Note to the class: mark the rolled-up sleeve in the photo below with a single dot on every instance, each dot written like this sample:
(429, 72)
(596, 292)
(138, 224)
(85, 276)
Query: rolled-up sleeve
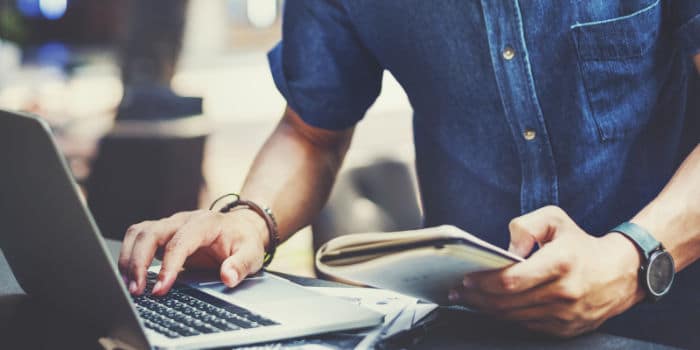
(687, 18)
(321, 66)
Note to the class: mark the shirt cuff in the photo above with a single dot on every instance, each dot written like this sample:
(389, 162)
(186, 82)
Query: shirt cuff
(314, 113)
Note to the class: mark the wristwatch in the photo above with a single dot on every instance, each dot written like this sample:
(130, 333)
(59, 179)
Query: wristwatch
(657, 271)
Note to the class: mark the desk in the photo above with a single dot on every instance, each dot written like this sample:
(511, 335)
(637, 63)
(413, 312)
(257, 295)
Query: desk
(25, 325)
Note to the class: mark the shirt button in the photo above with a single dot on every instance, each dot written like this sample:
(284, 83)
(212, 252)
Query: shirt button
(529, 134)
(508, 53)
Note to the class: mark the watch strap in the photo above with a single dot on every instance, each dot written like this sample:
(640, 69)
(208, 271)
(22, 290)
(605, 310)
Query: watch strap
(640, 236)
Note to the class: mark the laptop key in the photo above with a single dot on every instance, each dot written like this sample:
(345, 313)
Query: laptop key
(240, 322)
(208, 318)
(191, 331)
(211, 329)
(188, 312)
(160, 329)
(172, 334)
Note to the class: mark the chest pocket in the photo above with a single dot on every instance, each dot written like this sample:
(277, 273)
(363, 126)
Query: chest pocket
(625, 64)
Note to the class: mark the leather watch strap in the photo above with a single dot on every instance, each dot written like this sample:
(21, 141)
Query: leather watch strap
(640, 236)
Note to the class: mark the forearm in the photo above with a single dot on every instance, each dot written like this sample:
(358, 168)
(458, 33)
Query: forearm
(294, 171)
(673, 217)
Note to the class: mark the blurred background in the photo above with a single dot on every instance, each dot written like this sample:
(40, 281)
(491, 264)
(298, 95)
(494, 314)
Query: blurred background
(160, 106)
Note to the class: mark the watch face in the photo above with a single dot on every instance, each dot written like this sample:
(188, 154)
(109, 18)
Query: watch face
(660, 273)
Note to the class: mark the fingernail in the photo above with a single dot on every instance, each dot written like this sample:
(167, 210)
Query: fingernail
(453, 296)
(467, 282)
(233, 276)
(156, 287)
(133, 287)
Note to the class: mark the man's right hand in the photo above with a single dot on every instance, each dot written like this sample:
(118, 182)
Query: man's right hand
(296, 165)
(233, 242)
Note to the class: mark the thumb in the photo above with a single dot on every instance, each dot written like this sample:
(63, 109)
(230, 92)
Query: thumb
(539, 226)
(236, 267)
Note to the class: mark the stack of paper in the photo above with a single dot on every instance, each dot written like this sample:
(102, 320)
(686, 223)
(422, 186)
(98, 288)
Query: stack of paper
(401, 313)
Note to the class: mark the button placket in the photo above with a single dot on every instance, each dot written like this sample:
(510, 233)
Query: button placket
(515, 82)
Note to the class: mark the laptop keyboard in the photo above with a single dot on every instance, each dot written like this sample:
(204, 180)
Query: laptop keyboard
(185, 312)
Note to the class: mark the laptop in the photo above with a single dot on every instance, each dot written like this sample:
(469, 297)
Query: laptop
(58, 256)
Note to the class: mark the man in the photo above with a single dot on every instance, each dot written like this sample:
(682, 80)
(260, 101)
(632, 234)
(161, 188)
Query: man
(554, 121)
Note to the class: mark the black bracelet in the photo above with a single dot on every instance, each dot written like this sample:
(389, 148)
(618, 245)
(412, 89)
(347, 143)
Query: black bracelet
(226, 208)
(264, 212)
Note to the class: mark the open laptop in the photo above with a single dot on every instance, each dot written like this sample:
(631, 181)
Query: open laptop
(58, 256)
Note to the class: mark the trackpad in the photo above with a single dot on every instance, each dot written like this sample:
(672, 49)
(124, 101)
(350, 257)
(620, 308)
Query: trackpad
(261, 288)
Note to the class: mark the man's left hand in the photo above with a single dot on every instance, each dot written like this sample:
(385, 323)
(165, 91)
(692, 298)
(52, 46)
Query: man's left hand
(571, 285)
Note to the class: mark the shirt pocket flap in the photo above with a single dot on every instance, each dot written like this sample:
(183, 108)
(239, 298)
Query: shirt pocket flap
(623, 37)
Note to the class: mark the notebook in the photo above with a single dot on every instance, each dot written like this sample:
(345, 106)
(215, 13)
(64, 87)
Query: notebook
(423, 263)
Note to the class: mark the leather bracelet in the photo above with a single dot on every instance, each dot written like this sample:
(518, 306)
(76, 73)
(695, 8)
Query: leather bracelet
(265, 213)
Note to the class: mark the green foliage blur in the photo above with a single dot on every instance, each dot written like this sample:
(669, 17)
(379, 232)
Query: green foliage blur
(12, 26)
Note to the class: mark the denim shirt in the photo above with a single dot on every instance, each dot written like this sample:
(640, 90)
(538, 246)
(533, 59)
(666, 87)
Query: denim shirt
(588, 105)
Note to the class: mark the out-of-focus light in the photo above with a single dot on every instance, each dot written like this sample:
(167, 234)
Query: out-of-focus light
(28, 8)
(261, 13)
(90, 94)
(53, 9)
(53, 54)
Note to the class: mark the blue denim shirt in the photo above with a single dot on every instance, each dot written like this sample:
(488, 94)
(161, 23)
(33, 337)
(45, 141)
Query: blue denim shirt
(588, 105)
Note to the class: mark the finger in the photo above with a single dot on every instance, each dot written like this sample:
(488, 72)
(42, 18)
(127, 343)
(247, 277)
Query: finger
(539, 226)
(143, 248)
(182, 244)
(132, 232)
(246, 260)
(127, 246)
(546, 265)
(499, 303)
(172, 224)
